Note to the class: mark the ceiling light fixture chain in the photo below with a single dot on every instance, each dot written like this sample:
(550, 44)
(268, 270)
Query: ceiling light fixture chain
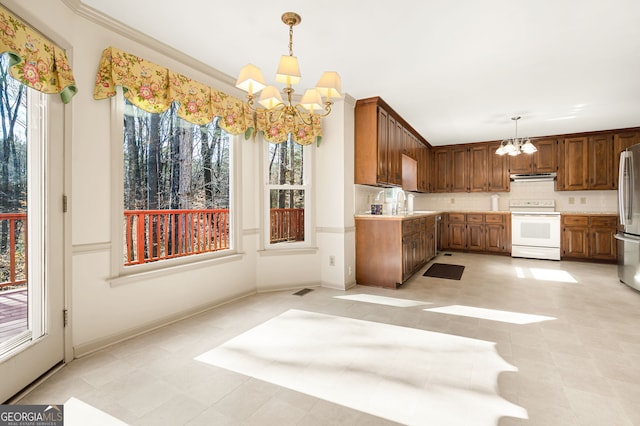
(516, 145)
(251, 81)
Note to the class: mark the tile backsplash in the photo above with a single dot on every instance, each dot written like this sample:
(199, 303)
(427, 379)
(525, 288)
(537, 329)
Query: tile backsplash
(566, 201)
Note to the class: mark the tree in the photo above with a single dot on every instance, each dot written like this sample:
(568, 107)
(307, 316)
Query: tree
(13, 178)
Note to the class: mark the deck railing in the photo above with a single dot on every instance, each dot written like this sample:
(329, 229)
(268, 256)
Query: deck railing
(13, 255)
(152, 235)
(287, 225)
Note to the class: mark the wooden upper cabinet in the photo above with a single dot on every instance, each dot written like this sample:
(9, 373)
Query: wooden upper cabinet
(587, 163)
(497, 170)
(575, 152)
(622, 141)
(383, 146)
(478, 167)
(395, 151)
(544, 160)
(382, 137)
(440, 166)
(601, 162)
(459, 168)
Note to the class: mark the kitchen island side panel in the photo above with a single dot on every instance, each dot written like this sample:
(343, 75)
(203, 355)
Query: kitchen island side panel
(379, 252)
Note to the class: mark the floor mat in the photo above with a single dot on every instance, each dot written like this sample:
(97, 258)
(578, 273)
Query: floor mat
(445, 270)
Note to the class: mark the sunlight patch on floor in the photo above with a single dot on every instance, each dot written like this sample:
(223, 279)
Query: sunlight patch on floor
(490, 314)
(402, 374)
(545, 274)
(79, 413)
(382, 300)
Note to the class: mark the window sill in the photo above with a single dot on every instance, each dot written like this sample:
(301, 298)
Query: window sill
(287, 251)
(163, 270)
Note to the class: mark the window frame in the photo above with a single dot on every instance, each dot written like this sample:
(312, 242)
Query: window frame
(307, 187)
(121, 274)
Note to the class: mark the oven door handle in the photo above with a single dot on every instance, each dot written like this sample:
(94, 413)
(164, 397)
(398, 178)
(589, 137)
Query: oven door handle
(536, 215)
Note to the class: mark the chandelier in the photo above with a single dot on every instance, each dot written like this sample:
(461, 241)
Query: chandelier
(251, 81)
(516, 145)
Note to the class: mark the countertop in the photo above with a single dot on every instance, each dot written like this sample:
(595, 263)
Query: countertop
(419, 213)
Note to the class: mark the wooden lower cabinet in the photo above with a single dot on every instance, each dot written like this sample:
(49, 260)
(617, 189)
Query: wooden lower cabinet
(479, 232)
(589, 237)
(390, 250)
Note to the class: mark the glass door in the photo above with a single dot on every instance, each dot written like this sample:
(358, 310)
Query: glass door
(31, 233)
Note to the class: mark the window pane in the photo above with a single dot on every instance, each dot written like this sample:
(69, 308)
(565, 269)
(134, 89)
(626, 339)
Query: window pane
(286, 215)
(285, 163)
(176, 186)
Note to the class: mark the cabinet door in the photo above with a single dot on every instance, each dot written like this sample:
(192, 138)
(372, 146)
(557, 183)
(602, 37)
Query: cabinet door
(601, 162)
(603, 243)
(440, 170)
(522, 163)
(622, 141)
(575, 163)
(495, 237)
(459, 169)
(407, 256)
(457, 236)
(383, 146)
(575, 241)
(497, 170)
(475, 236)
(545, 160)
(394, 152)
(423, 168)
(478, 167)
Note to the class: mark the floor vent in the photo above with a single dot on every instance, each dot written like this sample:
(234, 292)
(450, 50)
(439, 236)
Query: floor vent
(448, 254)
(302, 292)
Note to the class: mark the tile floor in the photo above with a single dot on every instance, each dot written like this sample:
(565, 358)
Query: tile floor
(581, 367)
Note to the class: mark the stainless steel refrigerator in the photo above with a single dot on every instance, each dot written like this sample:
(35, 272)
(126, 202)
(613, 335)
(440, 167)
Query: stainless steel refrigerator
(628, 235)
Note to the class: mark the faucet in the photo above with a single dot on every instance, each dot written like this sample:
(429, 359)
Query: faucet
(400, 204)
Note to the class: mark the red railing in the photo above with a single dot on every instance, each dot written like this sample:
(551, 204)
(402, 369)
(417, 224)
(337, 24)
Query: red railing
(14, 261)
(287, 225)
(152, 235)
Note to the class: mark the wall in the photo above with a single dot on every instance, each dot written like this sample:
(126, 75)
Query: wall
(566, 201)
(104, 311)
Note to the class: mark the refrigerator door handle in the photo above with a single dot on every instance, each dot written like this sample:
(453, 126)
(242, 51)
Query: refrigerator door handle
(624, 187)
(627, 239)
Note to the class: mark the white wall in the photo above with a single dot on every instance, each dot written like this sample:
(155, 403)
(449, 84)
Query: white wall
(101, 312)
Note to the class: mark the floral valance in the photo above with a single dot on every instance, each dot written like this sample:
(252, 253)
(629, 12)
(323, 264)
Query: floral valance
(153, 88)
(34, 60)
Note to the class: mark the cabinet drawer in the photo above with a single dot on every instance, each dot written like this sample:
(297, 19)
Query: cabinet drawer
(494, 218)
(575, 220)
(474, 217)
(605, 221)
(456, 217)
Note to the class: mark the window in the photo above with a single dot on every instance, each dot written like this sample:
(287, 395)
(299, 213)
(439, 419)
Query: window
(176, 191)
(287, 194)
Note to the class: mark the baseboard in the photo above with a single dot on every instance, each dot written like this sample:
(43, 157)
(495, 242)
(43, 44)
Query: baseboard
(104, 342)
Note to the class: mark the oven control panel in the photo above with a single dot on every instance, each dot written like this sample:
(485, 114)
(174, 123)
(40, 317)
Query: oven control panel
(535, 205)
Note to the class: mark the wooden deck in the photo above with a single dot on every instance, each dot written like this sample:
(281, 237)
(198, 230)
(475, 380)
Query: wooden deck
(13, 313)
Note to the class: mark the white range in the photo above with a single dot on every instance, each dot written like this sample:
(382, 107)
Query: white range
(535, 229)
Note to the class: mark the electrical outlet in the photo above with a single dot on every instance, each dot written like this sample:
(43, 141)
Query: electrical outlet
(583, 200)
(572, 200)
(332, 261)
(350, 271)
(453, 201)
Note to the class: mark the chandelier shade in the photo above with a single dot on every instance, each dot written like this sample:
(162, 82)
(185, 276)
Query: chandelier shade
(250, 79)
(516, 146)
(278, 108)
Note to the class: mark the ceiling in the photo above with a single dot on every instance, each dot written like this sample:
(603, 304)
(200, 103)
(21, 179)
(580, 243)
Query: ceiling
(457, 71)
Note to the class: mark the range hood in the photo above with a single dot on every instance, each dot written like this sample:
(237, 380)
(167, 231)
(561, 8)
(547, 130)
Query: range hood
(533, 177)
